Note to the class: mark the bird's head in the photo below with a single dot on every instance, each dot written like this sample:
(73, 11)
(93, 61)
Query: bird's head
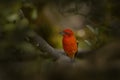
(67, 33)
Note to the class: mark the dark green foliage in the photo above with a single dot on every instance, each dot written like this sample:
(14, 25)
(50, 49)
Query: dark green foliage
(21, 60)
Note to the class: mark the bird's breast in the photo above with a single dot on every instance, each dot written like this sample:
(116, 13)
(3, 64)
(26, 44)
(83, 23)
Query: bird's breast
(70, 45)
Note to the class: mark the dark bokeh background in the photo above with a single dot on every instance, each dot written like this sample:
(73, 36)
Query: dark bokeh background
(96, 24)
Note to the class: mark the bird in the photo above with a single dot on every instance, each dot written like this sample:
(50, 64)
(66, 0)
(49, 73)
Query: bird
(69, 43)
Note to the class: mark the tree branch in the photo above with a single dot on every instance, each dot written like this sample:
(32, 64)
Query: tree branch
(16, 54)
(39, 42)
(48, 50)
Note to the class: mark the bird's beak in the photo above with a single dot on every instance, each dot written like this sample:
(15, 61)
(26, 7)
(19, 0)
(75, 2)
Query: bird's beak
(62, 33)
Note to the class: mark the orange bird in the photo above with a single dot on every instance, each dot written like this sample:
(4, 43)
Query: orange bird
(69, 43)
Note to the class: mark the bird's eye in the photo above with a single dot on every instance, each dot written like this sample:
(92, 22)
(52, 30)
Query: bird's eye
(67, 33)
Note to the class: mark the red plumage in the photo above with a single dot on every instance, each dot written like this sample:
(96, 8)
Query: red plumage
(69, 43)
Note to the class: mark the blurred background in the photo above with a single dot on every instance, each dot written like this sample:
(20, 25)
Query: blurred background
(96, 24)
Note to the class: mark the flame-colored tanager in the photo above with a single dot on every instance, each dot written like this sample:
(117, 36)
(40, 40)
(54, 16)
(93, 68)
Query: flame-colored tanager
(69, 43)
